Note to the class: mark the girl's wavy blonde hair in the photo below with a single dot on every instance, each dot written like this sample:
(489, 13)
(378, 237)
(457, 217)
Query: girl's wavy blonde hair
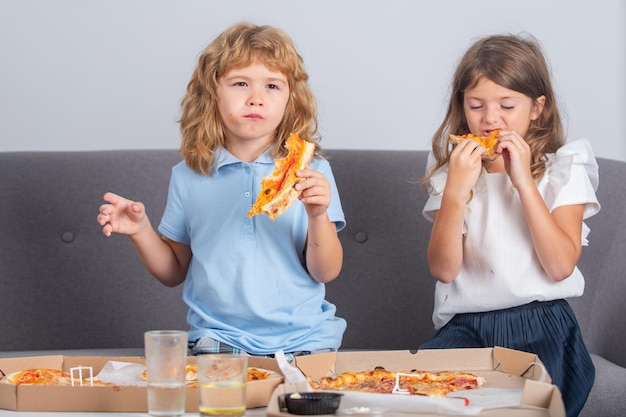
(201, 126)
(513, 62)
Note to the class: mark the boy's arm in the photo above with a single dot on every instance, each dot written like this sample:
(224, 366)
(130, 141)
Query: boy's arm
(324, 253)
(323, 250)
(165, 259)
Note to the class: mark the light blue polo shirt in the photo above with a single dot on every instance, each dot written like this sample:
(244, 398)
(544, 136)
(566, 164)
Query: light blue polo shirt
(247, 284)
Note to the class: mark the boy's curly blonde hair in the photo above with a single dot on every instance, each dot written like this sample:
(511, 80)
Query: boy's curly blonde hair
(201, 126)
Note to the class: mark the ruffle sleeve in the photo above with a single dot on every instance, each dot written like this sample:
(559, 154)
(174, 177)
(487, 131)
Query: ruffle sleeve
(437, 184)
(571, 177)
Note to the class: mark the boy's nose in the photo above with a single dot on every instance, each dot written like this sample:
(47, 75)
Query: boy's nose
(255, 99)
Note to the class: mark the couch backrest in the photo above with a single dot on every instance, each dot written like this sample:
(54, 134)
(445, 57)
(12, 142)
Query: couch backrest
(601, 311)
(385, 290)
(63, 285)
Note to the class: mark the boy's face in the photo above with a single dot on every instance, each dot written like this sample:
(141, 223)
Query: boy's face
(252, 102)
(489, 106)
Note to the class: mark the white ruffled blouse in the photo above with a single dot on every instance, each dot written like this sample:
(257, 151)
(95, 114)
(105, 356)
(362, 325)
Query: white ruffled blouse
(500, 269)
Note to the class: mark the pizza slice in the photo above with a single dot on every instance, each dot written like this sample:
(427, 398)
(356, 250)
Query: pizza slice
(439, 384)
(375, 380)
(253, 374)
(488, 142)
(277, 189)
(257, 374)
(191, 374)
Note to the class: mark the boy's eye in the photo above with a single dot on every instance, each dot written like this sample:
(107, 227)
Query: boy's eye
(272, 86)
(507, 107)
(240, 83)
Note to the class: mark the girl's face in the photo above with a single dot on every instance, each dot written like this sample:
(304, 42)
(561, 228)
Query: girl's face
(489, 106)
(252, 102)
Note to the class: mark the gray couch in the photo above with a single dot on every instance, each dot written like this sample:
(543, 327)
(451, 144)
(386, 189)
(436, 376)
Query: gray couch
(63, 285)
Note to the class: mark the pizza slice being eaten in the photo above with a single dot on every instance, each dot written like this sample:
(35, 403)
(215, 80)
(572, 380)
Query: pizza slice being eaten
(488, 142)
(277, 189)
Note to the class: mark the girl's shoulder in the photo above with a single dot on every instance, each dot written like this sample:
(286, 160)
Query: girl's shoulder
(579, 149)
(573, 156)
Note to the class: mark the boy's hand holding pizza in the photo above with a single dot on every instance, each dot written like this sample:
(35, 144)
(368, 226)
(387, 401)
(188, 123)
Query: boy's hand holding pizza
(314, 191)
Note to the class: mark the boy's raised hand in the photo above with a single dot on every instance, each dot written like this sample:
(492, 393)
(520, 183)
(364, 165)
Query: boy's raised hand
(121, 215)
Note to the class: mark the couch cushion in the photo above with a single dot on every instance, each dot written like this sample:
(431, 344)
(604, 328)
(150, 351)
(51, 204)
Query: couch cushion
(607, 397)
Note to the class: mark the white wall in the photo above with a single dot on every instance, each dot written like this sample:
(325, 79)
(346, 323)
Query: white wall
(110, 74)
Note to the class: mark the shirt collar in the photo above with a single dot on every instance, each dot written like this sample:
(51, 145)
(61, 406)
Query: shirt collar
(224, 158)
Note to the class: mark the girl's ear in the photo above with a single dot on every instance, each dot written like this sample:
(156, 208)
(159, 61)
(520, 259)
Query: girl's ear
(538, 107)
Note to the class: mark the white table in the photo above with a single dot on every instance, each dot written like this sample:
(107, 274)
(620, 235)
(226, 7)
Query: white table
(255, 412)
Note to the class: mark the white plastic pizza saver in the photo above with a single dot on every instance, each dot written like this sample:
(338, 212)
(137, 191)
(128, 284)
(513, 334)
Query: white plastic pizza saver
(80, 369)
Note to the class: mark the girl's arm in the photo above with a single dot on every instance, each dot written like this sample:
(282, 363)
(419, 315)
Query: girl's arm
(323, 250)
(165, 259)
(445, 248)
(556, 236)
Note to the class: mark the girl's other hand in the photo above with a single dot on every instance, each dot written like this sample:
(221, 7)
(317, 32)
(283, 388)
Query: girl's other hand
(120, 215)
(517, 156)
(315, 191)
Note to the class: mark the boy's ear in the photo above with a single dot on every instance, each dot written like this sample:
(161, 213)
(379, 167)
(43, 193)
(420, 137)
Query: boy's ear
(538, 107)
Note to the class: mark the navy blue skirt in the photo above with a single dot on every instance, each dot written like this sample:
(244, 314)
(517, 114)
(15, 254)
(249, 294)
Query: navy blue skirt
(548, 329)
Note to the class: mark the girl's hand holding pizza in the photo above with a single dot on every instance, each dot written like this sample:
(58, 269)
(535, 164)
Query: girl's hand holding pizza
(315, 191)
(517, 155)
(465, 167)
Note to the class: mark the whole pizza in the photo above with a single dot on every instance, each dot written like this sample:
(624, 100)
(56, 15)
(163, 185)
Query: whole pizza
(433, 384)
(46, 376)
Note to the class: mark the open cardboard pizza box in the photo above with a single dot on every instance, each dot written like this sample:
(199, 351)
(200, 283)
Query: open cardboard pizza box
(516, 385)
(119, 398)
